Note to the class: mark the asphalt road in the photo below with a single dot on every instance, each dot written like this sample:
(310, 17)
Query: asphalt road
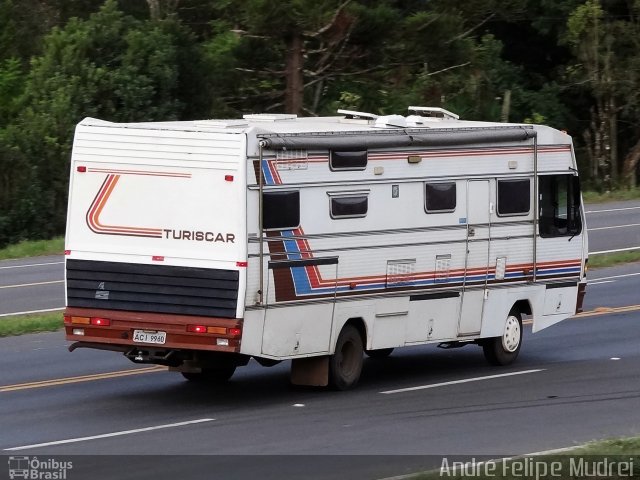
(574, 382)
(580, 382)
(37, 283)
(613, 225)
(31, 284)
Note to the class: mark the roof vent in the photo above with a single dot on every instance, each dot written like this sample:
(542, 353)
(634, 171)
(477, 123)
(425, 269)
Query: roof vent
(417, 121)
(269, 117)
(352, 116)
(391, 121)
(434, 112)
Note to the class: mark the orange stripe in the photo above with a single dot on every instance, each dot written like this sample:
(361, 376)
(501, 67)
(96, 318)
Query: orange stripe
(103, 197)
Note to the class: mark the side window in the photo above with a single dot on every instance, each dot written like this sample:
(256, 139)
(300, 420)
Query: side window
(348, 160)
(440, 197)
(348, 206)
(514, 197)
(280, 210)
(559, 206)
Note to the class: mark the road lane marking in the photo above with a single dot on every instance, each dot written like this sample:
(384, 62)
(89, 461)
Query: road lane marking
(612, 277)
(81, 378)
(109, 435)
(455, 382)
(600, 282)
(615, 250)
(32, 284)
(612, 210)
(59, 309)
(607, 311)
(31, 265)
(614, 226)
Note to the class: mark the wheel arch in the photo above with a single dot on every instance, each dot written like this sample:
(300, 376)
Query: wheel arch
(360, 325)
(523, 307)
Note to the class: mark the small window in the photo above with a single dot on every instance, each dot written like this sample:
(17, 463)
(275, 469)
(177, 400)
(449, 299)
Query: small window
(514, 197)
(280, 210)
(348, 160)
(559, 206)
(350, 206)
(440, 197)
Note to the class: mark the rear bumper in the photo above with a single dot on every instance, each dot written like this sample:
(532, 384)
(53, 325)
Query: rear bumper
(119, 332)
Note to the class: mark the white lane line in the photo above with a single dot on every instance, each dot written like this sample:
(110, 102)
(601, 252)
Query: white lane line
(628, 249)
(31, 284)
(31, 311)
(601, 282)
(612, 210)
(614, 226)
(617, 276)
(455, 382)
(31, 265)
(108, 435)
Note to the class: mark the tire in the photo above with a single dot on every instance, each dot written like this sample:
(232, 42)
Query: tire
(211, 375)
(504, 350)
(380, 353)
(345, 364)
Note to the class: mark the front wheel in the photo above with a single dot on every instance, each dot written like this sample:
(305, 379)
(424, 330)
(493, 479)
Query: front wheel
(505, 349)
(345, 364)
(211, 375)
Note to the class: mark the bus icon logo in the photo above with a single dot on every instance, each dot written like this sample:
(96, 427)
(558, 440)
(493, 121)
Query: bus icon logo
(18, 467)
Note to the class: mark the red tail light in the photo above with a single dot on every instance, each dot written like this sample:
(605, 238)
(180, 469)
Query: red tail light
(235, 332)
(197, 328)
(101, 322)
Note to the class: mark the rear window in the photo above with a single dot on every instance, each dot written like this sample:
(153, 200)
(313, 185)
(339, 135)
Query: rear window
(280, 210)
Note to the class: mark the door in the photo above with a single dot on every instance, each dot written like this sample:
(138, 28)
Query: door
(477, 259)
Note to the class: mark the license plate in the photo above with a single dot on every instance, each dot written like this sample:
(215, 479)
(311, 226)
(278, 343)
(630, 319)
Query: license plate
(149, 336)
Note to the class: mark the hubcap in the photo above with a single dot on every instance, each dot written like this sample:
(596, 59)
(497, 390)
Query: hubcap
(511, 336)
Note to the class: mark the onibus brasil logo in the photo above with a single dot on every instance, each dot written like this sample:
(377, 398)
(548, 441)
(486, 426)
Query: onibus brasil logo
(36, 469)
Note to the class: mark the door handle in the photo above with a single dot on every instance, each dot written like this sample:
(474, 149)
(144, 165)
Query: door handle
(471, 232)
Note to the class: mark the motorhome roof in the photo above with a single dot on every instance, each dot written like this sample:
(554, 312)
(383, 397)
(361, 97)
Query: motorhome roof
(269, 126)
(289, 125)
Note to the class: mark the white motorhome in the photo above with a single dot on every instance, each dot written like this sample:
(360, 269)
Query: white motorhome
(201, 244)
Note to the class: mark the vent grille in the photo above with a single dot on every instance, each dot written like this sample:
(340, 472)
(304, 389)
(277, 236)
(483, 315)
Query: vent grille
(152, 288)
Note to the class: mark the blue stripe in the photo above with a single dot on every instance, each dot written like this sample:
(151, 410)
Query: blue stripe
(268, 178)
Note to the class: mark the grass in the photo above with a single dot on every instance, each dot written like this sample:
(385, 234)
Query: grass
(611, 459)
(612, 196)
(611, 259)
(33, 248)
(21, 324)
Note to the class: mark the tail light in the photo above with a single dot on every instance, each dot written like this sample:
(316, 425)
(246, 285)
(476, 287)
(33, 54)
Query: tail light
(100, 322)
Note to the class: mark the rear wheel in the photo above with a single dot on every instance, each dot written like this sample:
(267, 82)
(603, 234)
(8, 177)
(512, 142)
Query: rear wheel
(211, 375)
(345, 364)
(505, 349)
(380, 353)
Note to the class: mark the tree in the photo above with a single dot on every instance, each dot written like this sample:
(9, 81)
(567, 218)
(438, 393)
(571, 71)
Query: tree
(110, 66)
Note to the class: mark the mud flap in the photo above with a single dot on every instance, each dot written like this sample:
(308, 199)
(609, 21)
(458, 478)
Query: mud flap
(312, 371)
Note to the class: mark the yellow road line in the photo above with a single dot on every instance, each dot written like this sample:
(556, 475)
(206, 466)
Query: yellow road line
(82, 378)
